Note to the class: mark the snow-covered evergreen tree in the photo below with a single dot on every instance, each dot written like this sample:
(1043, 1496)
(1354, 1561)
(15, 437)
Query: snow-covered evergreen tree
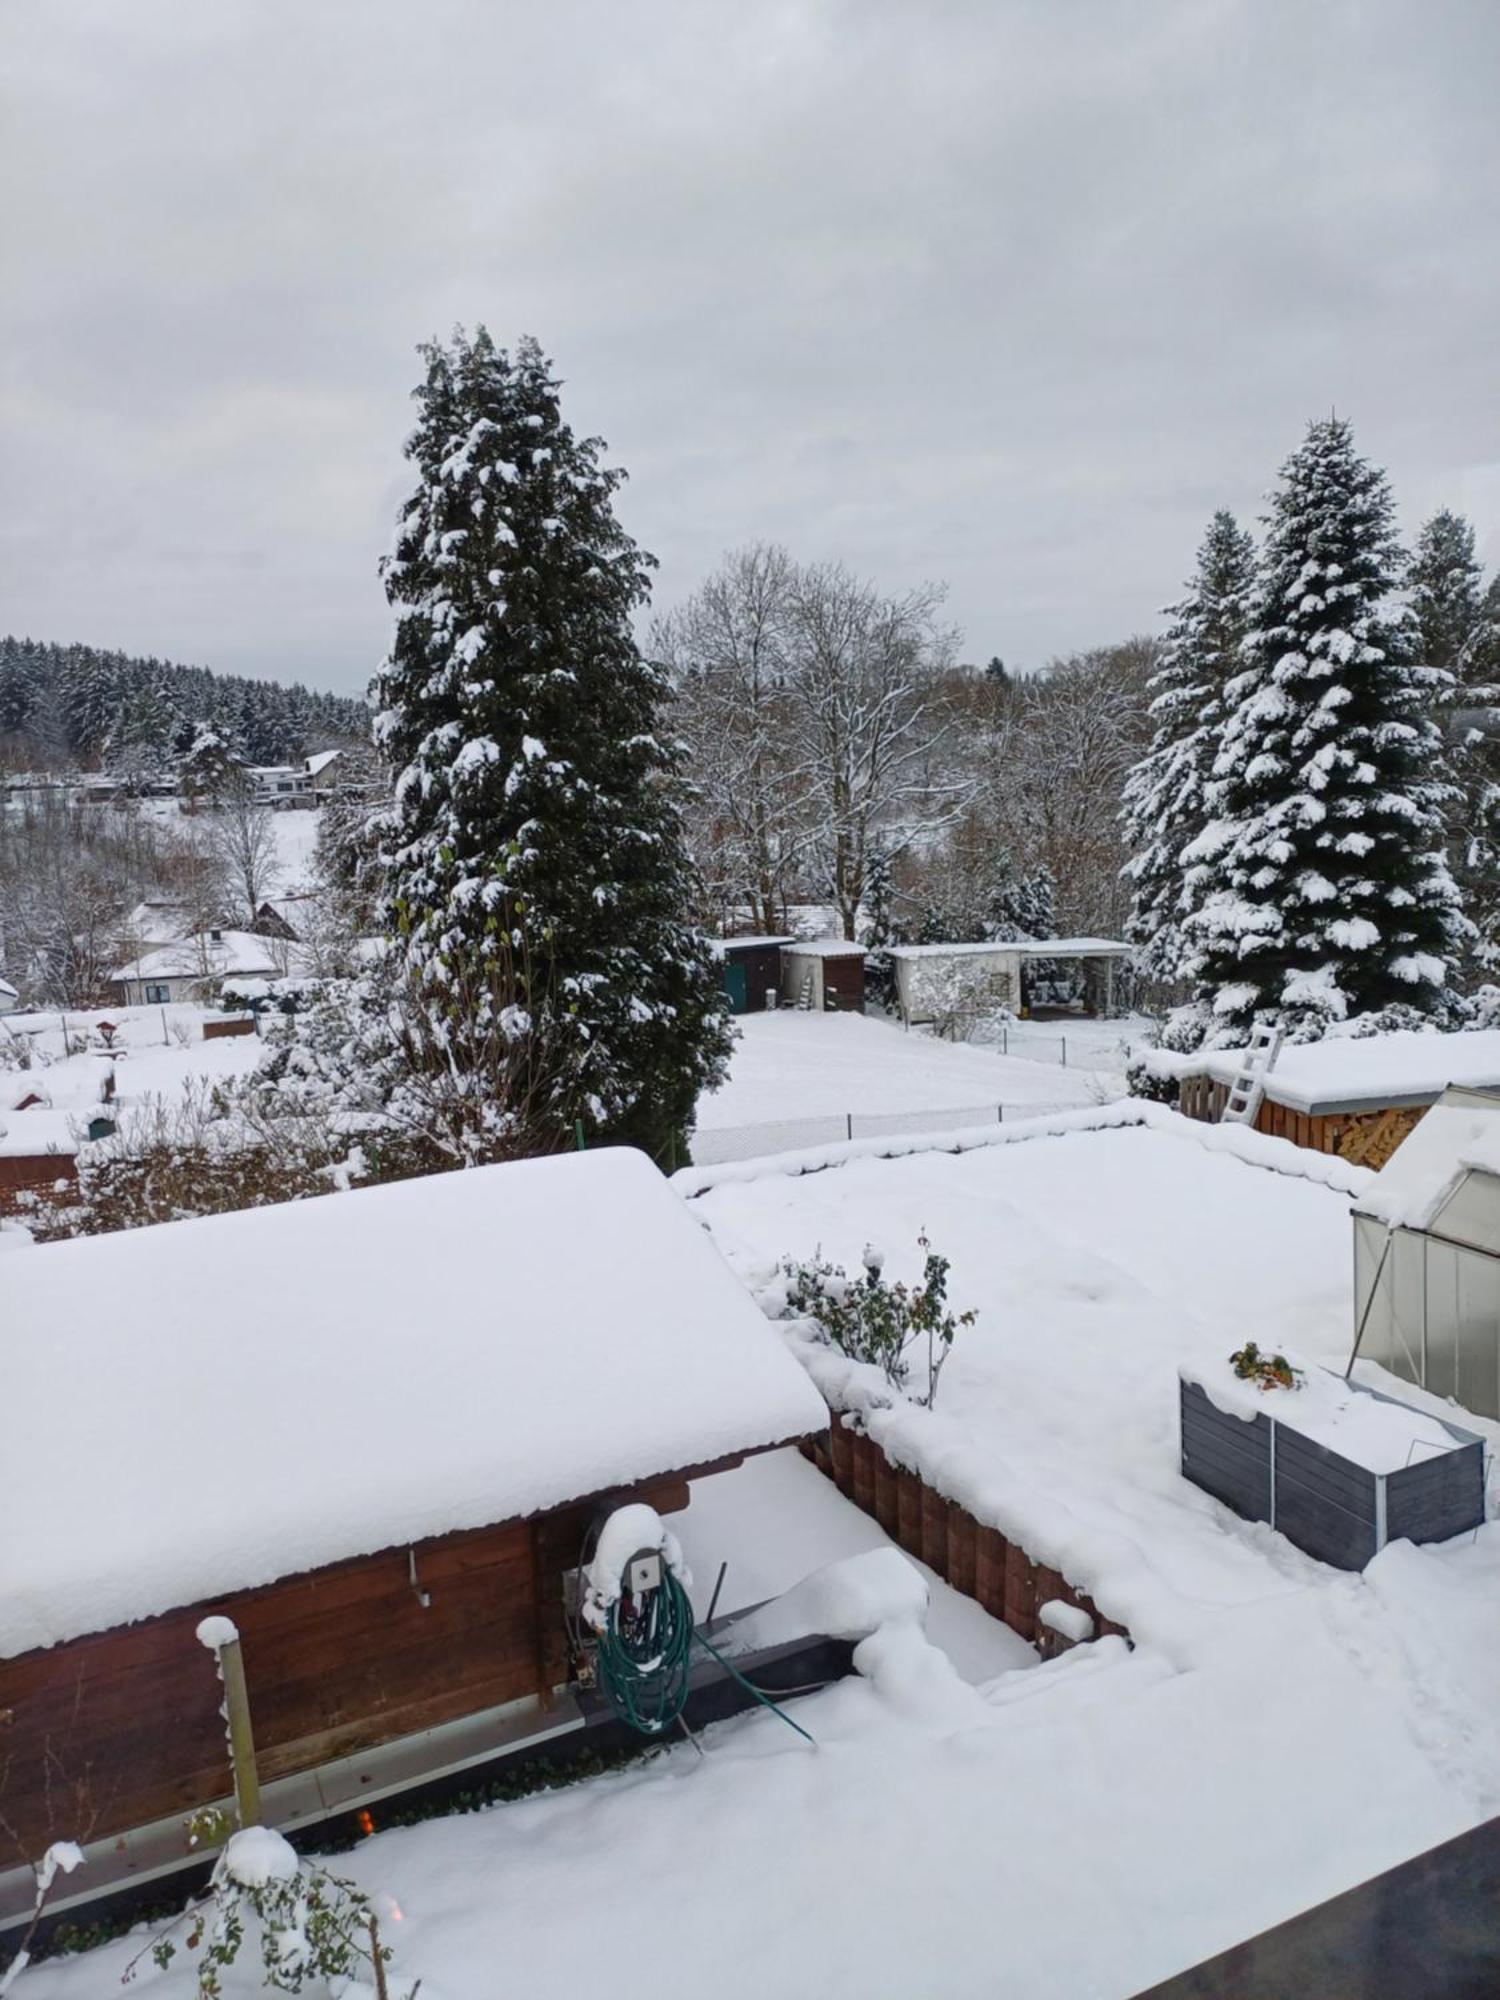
(1165, 808)
(1459, 626)
(539, 885)
(1325, 889)
(1031, 905)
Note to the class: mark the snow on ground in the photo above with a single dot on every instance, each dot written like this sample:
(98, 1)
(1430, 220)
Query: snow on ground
(155, 1052)
(295, 833)
(798, 1079)
(776, 1518)
(1081, 1828)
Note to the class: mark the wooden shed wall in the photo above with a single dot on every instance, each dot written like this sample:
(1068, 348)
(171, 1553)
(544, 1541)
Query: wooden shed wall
(109, 1732)
(762, 963)
(1368, 1136)
(844, 984)
(32, 1173)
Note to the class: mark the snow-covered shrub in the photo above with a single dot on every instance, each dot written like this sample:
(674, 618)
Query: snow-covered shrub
(1484, 1008)
(205, 1152)
(1145, 1079)
(310, 1925)
(871, 1320)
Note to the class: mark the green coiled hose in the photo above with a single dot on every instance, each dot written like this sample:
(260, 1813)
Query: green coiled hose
(645, 1653)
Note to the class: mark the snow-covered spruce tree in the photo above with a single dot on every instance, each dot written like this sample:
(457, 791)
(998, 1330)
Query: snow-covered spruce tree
(538, 882)
(1458, 623)
(1324, 889)
(1164, 810)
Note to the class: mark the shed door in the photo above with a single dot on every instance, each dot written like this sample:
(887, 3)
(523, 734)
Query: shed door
(736, 986)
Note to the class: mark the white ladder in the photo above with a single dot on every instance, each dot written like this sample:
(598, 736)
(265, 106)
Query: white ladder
(1249, 1086)
(804, 998)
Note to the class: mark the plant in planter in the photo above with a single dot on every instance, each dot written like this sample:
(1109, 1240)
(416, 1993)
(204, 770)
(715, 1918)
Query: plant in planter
(1266, 1371)
(870, 1320)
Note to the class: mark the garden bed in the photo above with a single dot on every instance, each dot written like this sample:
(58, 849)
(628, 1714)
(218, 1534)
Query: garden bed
(1340, 1474)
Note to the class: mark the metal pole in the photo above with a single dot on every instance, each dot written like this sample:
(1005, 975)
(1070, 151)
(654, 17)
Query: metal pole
(1065, 1052)
(849, 1125)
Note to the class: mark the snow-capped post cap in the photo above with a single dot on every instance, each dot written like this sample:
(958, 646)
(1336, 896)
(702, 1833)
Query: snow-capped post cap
(873, 1260)
(217, 1633)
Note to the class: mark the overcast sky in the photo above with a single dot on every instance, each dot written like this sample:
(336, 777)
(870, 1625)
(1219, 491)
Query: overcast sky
(1005, 295)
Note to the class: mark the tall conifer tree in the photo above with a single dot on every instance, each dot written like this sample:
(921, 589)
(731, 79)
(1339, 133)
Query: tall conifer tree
(539, 882)
(1326, 889)
(1165, 806)
(1458, 622)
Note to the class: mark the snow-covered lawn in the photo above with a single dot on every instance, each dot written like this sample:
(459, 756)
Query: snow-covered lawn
(156, 1051)
(798, 1079)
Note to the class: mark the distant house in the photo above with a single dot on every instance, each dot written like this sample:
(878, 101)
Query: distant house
(10, 999)
(283, 917)
(193, 968)
(826, 974)
(380, 1464)
(751, 970)
(304, 784)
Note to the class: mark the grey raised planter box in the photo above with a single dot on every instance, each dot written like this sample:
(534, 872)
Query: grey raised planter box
(1331, 1506)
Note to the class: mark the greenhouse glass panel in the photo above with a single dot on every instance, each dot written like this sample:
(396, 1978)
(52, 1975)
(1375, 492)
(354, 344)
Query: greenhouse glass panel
(1440, 1373)
(1479, 1333)
(1471, 1214)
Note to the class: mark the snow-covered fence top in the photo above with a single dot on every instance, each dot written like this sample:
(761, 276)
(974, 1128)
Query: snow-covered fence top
(205, 1406)
(1350, 1073)
(1239, 1141)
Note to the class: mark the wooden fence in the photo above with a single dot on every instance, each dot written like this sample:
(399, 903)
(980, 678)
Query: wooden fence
(978, 1561)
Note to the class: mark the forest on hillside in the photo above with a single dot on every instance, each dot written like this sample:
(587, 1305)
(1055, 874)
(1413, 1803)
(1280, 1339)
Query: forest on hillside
(71, 707)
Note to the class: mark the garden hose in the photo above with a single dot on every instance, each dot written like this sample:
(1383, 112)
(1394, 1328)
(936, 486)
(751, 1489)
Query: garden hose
(644, 1652)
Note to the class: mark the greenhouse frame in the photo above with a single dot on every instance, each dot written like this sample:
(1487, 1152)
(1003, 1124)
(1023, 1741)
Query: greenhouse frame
(1427, 1255)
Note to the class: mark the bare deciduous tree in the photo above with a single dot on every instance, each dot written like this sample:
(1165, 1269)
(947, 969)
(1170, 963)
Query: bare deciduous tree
(245, 842)
(863, 671)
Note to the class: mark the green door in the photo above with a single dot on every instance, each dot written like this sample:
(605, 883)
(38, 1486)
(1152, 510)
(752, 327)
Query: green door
(735, 986)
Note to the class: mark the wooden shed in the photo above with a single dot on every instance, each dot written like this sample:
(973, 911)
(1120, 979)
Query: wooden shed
(751, 968)
(826, 974)
(1355, 1096)
(371, 1429)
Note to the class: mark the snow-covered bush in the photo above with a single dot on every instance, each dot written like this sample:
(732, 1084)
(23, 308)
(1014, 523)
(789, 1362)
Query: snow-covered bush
(204, 1152)
(871, 1320)
(310, 1925)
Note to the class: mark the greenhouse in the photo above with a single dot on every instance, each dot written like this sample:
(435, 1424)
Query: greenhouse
(1427, 1255)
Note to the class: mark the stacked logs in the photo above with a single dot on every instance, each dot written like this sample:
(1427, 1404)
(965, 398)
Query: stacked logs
(978, 1561)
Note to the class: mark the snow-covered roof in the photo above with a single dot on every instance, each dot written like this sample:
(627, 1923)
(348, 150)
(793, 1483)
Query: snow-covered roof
(232, 954)
(320, 760)
(722, 946)
(1075, 947)
(1349, 1073)
(200, 1407)
(10, 992)
(1458, 1134)
(992, 949)
(824, 947)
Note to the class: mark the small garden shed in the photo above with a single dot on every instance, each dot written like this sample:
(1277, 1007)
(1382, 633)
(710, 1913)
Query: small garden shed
(371, 1429)
(1427, 1255)
(751, 969)
(826, 974)
(937, 979)
(1357, 1096)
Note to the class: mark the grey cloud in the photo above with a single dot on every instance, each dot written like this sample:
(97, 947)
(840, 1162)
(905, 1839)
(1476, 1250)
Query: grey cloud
(1007, 294)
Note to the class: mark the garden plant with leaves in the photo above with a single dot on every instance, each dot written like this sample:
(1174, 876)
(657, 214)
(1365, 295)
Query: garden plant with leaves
(872, 1320)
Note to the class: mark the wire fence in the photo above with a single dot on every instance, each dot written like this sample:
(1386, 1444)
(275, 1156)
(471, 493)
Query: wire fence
(715, 1145)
